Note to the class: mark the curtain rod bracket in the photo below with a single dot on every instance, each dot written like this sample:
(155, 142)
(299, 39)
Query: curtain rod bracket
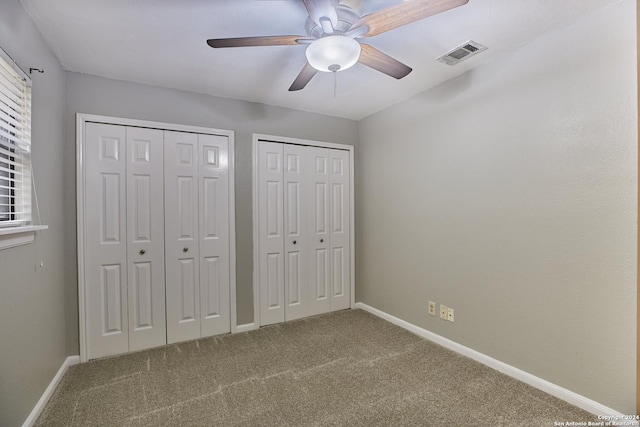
(40, 70)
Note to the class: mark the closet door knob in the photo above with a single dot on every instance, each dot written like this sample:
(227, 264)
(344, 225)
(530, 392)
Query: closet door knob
(185, 249)
(321, 240)
(142, 251)
(294, 242)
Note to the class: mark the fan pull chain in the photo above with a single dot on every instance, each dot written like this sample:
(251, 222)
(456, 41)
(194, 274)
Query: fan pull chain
(334, 69)
(335, 83)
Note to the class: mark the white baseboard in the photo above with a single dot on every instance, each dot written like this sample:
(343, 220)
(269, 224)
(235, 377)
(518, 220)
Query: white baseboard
(244, 328)
(37, 410)
(544, 385)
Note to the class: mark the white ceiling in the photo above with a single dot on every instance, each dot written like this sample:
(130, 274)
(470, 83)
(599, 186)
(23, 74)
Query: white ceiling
(163, 43)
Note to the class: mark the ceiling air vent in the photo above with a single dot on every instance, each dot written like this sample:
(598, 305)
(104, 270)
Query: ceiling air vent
(464, 51)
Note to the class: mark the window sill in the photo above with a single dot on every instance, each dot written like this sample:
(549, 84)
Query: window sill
(16, 236)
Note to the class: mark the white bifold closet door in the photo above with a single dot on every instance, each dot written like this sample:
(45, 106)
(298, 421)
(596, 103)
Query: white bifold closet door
(124, 239)
(340, 229)
(304, 231)
(196, 235)
(296, 233)
(318, 231)
(271, 232)
(328, 228)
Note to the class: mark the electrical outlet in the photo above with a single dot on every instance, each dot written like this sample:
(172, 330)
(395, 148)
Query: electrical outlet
(444, 313)
(432, 308)
(450, 317)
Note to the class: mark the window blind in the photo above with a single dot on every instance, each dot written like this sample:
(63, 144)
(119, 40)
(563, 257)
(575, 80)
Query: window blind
(15, 144)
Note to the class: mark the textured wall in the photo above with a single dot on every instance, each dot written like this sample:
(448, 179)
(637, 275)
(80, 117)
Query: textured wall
(509, 194)
(32, 303)
(95, 95)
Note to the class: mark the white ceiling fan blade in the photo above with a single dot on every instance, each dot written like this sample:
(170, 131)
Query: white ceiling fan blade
(319, 9)
(327, 25)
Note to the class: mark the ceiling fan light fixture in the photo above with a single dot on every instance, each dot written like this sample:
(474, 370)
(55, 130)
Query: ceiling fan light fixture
(333, 53)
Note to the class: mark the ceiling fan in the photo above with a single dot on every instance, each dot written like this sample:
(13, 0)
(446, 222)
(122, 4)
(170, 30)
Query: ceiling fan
(333, 34)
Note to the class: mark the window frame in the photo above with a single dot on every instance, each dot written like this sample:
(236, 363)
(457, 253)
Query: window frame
(17, 227)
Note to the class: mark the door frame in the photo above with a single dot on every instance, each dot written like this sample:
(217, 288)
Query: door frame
(81, 120)
(257, 137)
(638, 204)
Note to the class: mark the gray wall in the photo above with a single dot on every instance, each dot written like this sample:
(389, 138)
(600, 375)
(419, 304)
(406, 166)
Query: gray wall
(509, 194)
(32, 303)
(96, 95)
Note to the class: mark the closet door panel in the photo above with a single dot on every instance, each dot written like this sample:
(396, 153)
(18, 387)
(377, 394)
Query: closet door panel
(141, 307)
(340, 230)
(182, 261)
(271, 232)
(105, 240)
(187, 292)
(318, 225)
(213, 175)
(296, 170)
(145, 238)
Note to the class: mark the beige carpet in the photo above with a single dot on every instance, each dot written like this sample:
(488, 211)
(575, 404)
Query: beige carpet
(346, 368)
